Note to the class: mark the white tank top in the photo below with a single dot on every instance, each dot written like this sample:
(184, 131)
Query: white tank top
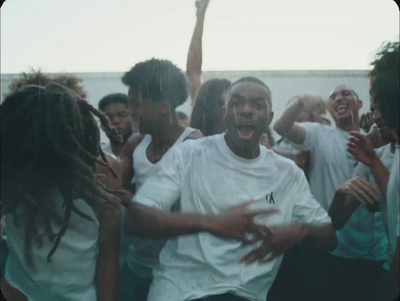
(71, 272)
(144, 253)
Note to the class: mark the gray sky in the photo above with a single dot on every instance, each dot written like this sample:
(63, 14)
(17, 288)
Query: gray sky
(103, 36)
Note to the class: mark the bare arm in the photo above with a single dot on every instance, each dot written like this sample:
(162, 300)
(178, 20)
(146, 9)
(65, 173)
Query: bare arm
(236, 223)
(126, 160)
(363, 150)
(195, 53)
(108, 261)
(285, 237)
(348, 197)
(287, 126)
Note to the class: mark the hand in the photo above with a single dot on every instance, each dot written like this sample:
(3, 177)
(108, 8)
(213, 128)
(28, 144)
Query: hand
(238, 223)
(283, 238)
(201, 7)
(362, 190)
(361, 148)
(313, 104)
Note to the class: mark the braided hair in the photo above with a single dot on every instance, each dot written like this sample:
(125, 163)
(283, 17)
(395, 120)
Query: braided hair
(50, 140)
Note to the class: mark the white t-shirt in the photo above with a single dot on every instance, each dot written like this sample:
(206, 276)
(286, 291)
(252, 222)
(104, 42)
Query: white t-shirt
(71, 272)
(331, 165)
(373, 240)
(393, 203)
(143, 253)
(209, 179)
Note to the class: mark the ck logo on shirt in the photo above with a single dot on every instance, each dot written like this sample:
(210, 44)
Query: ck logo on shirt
(271, 197)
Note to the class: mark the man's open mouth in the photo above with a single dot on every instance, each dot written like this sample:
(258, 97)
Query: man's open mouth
(245, 131)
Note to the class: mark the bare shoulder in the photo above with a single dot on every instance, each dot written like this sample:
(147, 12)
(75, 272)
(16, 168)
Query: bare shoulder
(131, 144)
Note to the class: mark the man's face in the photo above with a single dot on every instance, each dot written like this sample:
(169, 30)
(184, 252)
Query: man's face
(119, 117)
(384, 131)
(248, 113)
(144, 111)
(343, 103)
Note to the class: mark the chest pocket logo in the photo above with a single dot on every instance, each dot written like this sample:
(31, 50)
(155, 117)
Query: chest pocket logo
(271, 197)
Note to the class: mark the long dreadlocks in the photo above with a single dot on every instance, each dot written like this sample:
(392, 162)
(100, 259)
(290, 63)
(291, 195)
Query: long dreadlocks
(50, 140)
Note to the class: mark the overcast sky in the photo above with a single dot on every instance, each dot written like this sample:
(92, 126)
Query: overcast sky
(103, 36)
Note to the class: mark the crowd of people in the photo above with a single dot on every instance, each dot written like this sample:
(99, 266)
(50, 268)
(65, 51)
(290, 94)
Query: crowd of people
(202, 207)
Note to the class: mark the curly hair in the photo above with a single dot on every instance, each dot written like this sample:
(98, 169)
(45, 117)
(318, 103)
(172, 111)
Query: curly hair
(50, 140)
(207, 101)
(38, 78)
(385, 82)
(158, 80)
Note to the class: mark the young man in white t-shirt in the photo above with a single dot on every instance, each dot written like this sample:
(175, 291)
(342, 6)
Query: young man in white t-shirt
(205, 258)
(156, 88)
(332, 165)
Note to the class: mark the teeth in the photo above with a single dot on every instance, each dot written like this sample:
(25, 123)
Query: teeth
(340, 108)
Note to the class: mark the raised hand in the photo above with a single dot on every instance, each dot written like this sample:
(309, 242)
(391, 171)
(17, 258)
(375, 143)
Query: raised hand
(238, 223)
(313, 104)
(362, 190)
(201, 7)
(283, 238)
(361, 148)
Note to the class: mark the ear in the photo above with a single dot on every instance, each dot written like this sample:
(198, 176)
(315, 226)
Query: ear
(164, 106)
(270, 116)
(359, 104)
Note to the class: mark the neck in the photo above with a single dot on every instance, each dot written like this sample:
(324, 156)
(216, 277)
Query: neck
(348, 125)
(167, 133)
(244, 151)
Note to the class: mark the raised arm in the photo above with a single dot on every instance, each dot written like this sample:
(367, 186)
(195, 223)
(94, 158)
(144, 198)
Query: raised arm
(195, 53)
(287, 126)
(362, 149)
(236, 223)
(348, 197)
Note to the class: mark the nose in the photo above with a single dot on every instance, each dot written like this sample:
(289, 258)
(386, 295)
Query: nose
(247, 108)
(114, 120)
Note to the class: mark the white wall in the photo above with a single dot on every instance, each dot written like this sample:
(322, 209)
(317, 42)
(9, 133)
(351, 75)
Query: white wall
(283, 84)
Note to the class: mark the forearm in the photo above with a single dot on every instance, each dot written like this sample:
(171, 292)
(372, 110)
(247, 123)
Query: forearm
(153, 223)
(285, 125)
(108, 267)
(380, 174)
(195, 58)
(322, 237)
(341, 209)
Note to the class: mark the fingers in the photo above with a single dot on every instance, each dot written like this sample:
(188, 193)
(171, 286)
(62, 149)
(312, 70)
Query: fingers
(364, 191)
(262, 254)
(241, 207)
(263, 212)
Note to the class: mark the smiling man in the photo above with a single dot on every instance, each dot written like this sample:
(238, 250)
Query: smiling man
(331, 166)
(205, 258)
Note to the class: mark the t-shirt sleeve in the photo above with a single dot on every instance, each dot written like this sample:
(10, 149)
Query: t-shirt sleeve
(306, 209)
(314, 133)
(162, 190)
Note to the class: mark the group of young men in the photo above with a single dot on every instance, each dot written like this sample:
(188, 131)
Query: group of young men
(216, 214)
(211, 218)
